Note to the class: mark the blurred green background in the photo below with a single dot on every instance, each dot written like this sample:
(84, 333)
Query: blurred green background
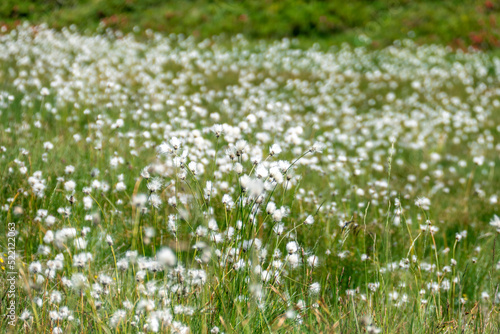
(458, 23)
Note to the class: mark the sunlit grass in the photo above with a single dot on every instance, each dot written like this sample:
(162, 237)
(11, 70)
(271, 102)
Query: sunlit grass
(174, 186)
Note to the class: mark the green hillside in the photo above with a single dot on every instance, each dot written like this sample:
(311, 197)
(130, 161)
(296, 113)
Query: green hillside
(456, 23)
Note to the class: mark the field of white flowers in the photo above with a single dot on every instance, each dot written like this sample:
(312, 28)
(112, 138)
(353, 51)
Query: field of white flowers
(168, 185)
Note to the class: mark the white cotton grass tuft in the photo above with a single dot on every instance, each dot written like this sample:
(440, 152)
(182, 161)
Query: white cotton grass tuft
(155, 184)
(139, 200)
(261, 172)
(317, 147)
(314, 288)
(242, 162)
(309, 220)
(423, 203)
(495, 222)
(255, 188)
(155, 201)
(118, 317)
(166, 257)
(275, 149)
(78, 282)
(70, 186)
(292, 247)
(313, 261)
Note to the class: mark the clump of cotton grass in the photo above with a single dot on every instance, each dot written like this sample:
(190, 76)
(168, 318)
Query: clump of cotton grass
(78, 282)
(139, 200)
(166, 257)
(495, 222)
(118, 317)
(315, 288)
(423, 202)
(155, 184)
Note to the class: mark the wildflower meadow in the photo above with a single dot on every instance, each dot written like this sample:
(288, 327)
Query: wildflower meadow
(168, 184)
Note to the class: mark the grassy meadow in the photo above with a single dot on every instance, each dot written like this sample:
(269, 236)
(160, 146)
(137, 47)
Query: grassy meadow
(172, 184)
